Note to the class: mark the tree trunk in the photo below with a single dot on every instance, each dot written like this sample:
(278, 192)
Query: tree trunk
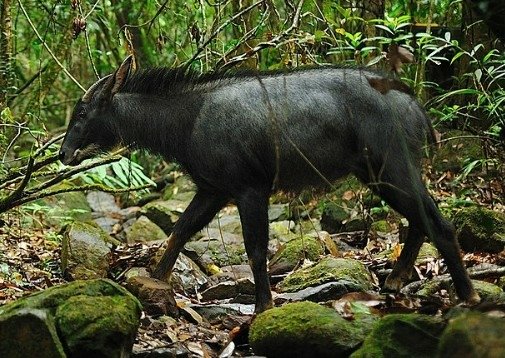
(6, 73)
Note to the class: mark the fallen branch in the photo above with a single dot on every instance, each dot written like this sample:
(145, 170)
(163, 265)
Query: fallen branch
(445, 280)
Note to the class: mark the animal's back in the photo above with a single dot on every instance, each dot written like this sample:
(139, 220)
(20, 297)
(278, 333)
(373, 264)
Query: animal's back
(301, 125)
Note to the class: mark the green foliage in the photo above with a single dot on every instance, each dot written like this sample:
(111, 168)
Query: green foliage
(91, 39)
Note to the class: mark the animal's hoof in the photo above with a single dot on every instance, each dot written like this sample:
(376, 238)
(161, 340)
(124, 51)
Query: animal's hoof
(392, 285)
(473, 300)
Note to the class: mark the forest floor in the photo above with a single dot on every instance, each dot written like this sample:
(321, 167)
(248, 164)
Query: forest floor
(30, 262)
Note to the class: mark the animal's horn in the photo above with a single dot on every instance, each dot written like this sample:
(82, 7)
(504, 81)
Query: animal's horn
(89, 93)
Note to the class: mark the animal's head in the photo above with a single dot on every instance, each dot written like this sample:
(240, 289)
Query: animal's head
(88, 132)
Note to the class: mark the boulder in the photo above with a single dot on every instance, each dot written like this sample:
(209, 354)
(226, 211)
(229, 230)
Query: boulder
(85, 251)
(473, 335)
(480, 229)
(95, 318)
(29, 332)
(402, 335)
(306, 329)
(350, 273)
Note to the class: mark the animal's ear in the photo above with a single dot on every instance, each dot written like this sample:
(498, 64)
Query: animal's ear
(118, 79)
(122, 74)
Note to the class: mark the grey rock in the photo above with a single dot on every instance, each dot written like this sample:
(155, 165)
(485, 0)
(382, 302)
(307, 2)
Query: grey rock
(85, 253)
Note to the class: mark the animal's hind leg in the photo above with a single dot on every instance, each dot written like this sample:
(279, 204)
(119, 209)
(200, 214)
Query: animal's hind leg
(253, 209)
(199, 213)
(400, 185)
(402, 270)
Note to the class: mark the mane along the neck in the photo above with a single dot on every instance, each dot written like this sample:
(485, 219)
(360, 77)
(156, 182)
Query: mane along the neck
(161, 81)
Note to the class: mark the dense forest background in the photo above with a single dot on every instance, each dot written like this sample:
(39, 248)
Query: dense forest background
(449, 52)
(57, 225)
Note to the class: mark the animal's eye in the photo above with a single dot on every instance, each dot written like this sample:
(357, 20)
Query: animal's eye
(81, 114)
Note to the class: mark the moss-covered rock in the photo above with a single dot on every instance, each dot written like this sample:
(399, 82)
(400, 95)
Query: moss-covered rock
(427, 252)
(487, 291)
(402, 335)
(144, 230)
(29, 333)
(352, 273)
(96, 318)
(456, 152)
(480, 229)
(473, 335)
(381, 226)
(306, 329)
(100, 326)
(85, 251)
(290, 254)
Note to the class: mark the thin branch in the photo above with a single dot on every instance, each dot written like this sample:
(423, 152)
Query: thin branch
(219, 29)
(275, 42)
(47, 47)
(46, 193)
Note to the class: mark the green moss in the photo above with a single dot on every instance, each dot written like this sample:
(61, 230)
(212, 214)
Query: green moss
(402, 335)
(144, 230)
(381, 226)
(473, 335)
(52, 297)
(97, 325)
(350, 271)
(480, 229)
(456, 152)
(306, 329)
(489, 292)
(298, 249)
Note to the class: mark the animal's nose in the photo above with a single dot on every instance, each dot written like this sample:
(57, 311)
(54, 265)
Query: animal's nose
(62, 155)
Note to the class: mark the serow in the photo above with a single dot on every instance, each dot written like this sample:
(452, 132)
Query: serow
(243, 136)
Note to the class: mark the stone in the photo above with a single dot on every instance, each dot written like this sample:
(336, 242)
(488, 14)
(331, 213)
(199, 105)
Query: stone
(94, 318)
(181, 189)
(228, 289)
(85, 253)
(402, 335)
(187, 276)
(480, 229)
(229, 223)
(293, 252)
(102, 202)
(65, 207)
(211, 246)
(164, 213)
(144, 230)
(306, 329)
(454, 153)
(29, 332)
(103, 326)
(427, 252)
(278, 212)
(157, 297)
(351, 273)
(487, 291)
(473, 335)
(106, 223)
(320, 293)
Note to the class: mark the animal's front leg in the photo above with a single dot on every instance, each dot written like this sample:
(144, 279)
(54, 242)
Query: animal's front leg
(199, 213)
(253, 209)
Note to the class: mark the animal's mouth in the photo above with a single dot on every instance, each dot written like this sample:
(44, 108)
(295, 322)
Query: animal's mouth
(80, 155)
(75, 159)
